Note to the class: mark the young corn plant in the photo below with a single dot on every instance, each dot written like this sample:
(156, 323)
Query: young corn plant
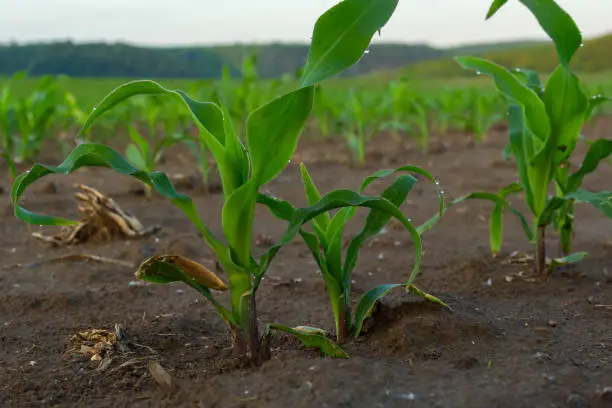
(27, 121)
(8, 123)
(545, 124)
(483, 113)
(340, 37)
(145, 153)
(326, 245)
(364, 118)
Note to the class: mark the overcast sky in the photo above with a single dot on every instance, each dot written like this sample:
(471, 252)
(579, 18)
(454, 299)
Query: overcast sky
(177, 22)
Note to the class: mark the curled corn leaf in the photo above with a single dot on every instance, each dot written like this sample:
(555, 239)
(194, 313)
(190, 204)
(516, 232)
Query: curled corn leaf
(312, 337)
(174, 268)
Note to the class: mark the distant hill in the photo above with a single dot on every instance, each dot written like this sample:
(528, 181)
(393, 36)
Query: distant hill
(595, 56)
(478, 49)
(109, 60)
(126, 61)
(274, 60)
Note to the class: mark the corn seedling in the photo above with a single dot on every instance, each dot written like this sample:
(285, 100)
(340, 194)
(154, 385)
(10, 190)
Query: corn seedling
(26, 121)
(483, 113)
(545, 124)
(363, 119)
(326, 245)
(144, 154)
(327, 112)
(340, 37)
(409, 115)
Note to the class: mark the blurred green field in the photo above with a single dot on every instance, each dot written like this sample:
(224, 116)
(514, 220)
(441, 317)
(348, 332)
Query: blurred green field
(416, 101)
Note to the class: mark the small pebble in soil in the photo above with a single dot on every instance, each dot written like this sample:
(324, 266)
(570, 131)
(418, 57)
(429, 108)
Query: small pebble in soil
(539, 356)
(489, 282)
(577, 401)
(552, 323)
(16, 285)
(604, 399)
(32, 363)
(410, 396)
(134, 284)
(180, 291)
(381, 256)
(397, 243)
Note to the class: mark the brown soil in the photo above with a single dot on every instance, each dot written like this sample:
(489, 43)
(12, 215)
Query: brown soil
(505, 344)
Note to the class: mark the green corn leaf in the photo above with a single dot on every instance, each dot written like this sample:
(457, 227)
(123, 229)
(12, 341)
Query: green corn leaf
(532, 79)
(208, 117)
(338, 221)
(273, 131)
(313, 195)
(396, 193)
(601, 200)
(235, 151)
(566, 105)
(166, 143)
(496, 228)
(593, 103)
(96, 155)
(559, 26)
(368, 300)
(566, 260)
(367, 303)
(284, 211)
(496, 220)
(534, 109)
(333, 249)
(599, 150)
(141, 142)
(343, 199)
(410, 169)
(552, 206)
(342, 34)
(495, 6)
(313, 337)
(135, 157)
(517, 140)
(237, 220)
(418, 292)
(281, 209)
(535, 175)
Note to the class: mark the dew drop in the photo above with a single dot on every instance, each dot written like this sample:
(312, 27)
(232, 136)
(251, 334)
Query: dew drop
(518, 70)
(582, 44)
(478, 73)
(94, 108)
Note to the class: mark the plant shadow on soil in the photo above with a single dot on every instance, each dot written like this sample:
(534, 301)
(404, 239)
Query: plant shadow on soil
(505, 343)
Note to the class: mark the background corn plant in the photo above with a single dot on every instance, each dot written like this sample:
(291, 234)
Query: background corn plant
(545, 124)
